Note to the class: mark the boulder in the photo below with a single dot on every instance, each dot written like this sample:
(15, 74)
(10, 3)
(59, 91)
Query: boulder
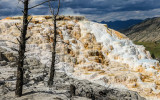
(91, 90)
(94, 91)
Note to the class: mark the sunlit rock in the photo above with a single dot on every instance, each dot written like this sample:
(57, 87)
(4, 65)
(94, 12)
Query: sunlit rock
(91, 50)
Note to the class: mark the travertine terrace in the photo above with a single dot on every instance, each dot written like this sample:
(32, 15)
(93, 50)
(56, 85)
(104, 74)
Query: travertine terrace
(92, 50)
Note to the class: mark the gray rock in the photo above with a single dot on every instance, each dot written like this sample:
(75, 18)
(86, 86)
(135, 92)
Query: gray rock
(13, 64)
(3, 63)
(79, 98)
(33, 62)
(5, 90)
(62, 86)
(3, 50)
(94, 91)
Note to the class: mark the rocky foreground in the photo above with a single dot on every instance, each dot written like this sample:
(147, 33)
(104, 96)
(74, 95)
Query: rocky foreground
(35, 84)
(100, 62)
(35, 81)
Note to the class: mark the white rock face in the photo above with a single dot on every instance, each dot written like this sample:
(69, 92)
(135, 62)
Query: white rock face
(94, 52)
(124, 49)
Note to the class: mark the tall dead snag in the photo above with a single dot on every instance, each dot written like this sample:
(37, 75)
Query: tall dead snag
(21, 52)
(54, 18)
(22, 45)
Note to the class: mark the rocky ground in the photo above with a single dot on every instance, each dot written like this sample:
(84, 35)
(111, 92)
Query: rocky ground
(35, 83)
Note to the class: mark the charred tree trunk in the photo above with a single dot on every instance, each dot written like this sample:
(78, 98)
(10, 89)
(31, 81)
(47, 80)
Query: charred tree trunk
(52, 69)
(21, 52)
(22, 45)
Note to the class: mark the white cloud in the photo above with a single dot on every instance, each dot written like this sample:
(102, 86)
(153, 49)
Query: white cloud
(69, 11)
(125, 15)
(107, 10)
(68, 0)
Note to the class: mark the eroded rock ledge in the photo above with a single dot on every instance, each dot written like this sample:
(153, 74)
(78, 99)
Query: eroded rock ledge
(94, 91)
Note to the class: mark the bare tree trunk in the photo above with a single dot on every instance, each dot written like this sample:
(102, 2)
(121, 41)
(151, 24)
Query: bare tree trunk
(52, 69)
(22, 44)
(54, 16)
(22, 47)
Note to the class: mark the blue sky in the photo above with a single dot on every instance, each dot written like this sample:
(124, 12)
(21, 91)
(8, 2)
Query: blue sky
(99, 10)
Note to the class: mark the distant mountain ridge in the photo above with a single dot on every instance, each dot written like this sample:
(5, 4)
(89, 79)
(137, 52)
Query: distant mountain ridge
(121, 25)
(147, 31)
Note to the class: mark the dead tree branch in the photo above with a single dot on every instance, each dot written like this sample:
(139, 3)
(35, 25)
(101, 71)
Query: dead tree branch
(40, 4)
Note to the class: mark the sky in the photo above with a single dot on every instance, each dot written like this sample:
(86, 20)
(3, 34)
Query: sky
(98, 10)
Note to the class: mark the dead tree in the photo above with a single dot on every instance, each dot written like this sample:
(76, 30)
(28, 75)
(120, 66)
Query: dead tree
(22, 45)
(22, 48)
(54, 18)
